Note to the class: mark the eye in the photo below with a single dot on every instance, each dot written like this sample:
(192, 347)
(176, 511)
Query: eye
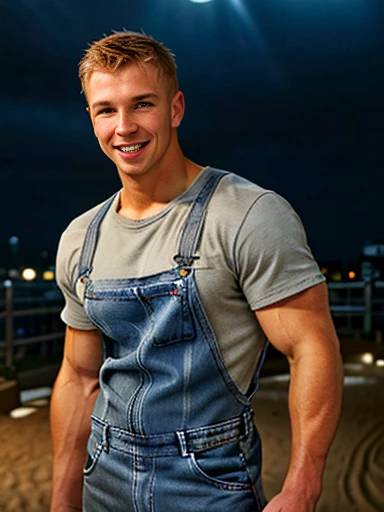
(106, 110)
(144, 104)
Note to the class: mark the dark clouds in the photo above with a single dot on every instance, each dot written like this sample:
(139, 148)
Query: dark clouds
(286, 93)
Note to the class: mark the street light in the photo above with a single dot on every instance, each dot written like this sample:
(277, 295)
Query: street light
(28, 274)
(48, 275)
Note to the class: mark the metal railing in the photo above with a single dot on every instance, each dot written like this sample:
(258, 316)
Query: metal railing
(23, 300)
(360, 305)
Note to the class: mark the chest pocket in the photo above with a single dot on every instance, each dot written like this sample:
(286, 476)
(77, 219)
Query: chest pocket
(159, 313)
(170, 317)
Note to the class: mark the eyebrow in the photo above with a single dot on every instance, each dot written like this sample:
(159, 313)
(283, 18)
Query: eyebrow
(139, 97)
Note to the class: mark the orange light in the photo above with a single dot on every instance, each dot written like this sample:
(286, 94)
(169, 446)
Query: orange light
(351, 275)
(324, 270)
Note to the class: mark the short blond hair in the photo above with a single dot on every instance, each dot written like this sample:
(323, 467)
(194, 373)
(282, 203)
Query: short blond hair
(121, 48)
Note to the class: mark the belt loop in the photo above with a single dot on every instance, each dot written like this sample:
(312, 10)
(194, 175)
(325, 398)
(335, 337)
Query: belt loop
(180, 434)
(105, 439)
(248, 422)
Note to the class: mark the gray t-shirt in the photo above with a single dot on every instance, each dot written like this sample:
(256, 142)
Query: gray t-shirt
(252, 253)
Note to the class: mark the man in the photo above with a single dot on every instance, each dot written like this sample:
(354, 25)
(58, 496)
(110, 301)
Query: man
(172, 288)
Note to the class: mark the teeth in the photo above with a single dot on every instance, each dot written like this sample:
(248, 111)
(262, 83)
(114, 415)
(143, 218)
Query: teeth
(131, 149)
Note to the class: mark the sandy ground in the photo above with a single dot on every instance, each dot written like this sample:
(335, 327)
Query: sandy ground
(354, 476)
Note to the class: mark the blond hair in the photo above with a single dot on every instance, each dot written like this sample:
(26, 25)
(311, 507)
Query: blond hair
(121, 48)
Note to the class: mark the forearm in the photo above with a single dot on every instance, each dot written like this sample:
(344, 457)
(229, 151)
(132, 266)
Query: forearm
(72, 402)
(314, 406)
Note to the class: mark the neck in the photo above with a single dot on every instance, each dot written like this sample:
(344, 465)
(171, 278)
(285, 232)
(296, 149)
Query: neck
(144, 196)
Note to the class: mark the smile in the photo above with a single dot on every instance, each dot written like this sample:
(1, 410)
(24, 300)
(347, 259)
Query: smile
(132, 148)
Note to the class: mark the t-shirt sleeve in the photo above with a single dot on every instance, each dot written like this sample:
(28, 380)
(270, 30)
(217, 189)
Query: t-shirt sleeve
(68, 255)
(273, 260)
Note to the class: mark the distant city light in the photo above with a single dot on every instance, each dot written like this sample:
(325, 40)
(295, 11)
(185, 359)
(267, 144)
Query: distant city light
(48, 275)
(7, 283)
(380, 363)
(13, 240)
(351, 275)
(367, 358)
(324, 270)
(28, 274)
(336, 276)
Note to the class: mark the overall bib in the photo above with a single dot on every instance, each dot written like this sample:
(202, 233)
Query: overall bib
(171, 432)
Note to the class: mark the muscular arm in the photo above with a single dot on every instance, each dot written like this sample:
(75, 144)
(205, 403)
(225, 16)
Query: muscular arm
(301, 328)
(73, 398)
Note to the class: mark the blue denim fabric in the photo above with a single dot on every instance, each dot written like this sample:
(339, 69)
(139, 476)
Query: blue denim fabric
(171, 431)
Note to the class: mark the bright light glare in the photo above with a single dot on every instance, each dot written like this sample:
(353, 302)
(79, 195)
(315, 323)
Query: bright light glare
(200, 1)
(48, 275)
(380, 363)
(28, 274)
(367, 358)
(21, 412)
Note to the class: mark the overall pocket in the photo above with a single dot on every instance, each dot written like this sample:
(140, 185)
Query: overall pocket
(171, 318)
(94, 450)
(222, 467)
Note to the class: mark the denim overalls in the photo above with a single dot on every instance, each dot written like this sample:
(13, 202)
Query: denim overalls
(171, 432)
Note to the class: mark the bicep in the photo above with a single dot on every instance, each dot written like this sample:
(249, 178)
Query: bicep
(300, 323)
(83, 352)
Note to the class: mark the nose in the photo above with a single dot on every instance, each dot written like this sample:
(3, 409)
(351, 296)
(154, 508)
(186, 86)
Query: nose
(126, 124)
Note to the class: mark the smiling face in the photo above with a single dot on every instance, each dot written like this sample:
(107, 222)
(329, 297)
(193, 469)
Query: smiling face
(135, 118)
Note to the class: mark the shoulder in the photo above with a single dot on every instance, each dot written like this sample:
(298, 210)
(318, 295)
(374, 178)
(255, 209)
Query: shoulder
(237, 199)
(75, 232)
(235, 194)
(71, 242)
(236, 189)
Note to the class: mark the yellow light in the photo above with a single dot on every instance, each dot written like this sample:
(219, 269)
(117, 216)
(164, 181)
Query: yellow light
(29, 274)
(380, 363)
(351, 275)
(367, 358)
(336, 276)
(48, 275)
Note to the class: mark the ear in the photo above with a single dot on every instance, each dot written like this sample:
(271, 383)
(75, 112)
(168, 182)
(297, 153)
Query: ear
(177, 109)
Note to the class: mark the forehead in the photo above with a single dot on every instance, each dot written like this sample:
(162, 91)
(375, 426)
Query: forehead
(130, 79)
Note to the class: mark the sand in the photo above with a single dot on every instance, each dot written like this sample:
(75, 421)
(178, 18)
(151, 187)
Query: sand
(354, 476)
(25, 463)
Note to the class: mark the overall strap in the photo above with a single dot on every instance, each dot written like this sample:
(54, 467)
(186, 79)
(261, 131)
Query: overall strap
(90, 240)
(192, 227)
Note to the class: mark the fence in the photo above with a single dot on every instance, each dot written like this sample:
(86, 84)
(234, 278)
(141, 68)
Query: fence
(29, 315)
(357, 309)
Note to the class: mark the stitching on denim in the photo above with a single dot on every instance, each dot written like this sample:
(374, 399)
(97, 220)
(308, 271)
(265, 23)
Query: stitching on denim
(220, 484)
(211, 339)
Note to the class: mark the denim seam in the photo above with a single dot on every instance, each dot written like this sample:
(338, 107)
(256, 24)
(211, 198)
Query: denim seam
(95, 459)
(220, 484)
(152, 487)
(90, 239)
(209, 335)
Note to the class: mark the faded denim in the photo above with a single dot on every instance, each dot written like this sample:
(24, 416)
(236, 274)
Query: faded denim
(170, 429)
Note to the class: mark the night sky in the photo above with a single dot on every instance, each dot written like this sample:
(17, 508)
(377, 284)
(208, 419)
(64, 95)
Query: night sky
(287, 93)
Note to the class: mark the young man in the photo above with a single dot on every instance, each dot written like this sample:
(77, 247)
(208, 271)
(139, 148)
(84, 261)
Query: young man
(172, 288)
